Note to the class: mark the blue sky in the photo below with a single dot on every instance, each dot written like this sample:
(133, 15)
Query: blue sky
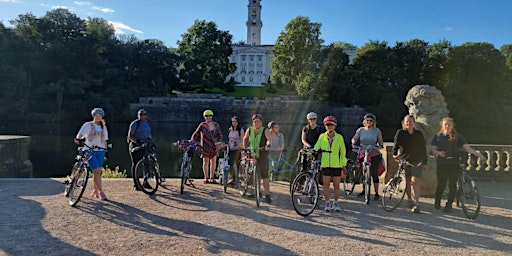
(351, 21)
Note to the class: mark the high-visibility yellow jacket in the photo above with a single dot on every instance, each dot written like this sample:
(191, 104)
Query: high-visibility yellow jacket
(337, 157)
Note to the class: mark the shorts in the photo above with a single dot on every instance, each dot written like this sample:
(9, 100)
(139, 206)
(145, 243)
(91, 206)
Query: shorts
(331, 172)
(415, 171)
(262, 165)
(97, 159)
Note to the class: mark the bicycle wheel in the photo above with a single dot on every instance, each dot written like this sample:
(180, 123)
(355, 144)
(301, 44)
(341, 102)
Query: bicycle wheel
(77, 186)
(69, 180)
(225, 175)
(305, 193)
(393, 193)
(145, 176)
(184, 171)
(350, 182)
(367, 184)
(256, 182)
(469, 196)
(242, 179)
(292, 174)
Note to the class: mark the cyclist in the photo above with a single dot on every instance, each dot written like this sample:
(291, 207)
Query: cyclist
(333, 162)
(235, 134)
(276, 143)
(445, 147)
(310, 134)
(210, 137)
(95, 133)
(410, 143)
(139, 132)
(258, 136)
(368, 135)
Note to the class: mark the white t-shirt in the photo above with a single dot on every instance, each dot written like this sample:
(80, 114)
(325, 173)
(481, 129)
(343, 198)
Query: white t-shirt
(95, 135)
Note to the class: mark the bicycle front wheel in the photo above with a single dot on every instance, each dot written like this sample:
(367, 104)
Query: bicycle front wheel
(305, 193)
(257, 186)
(469, 197)
(243, 179)
(393, 193)
(367, 184)
(146, 177)
(225, 175)
(77, 186)
(349, 182)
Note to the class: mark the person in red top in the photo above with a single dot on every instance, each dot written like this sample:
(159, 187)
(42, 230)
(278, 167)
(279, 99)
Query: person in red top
(210, 137)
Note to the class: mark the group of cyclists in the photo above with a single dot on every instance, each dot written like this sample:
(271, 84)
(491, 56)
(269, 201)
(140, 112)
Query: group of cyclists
(408, 143)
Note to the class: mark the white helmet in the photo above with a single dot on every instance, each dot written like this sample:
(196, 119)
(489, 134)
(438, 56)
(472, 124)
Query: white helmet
(311, 115)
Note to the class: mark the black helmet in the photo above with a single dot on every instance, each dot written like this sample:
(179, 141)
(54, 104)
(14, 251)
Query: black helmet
(370, 115)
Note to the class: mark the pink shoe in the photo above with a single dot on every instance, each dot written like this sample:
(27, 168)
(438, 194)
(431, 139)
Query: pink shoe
(95, 193)
(102, 196)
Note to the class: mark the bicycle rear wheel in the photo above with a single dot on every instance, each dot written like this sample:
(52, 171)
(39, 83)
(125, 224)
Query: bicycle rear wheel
(146, 177)
(350, 182)
(469, 197)
(225, 177)
(256, 182)
(393, 193)
(77, 186)
(69, 180)
(305, 193)
(184, 171)
(242, 179)
(367, 184)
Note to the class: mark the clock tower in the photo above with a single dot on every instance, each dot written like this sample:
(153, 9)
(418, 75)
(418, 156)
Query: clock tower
(254, 23)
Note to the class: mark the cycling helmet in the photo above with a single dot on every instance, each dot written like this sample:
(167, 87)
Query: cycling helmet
(257, 116)
(97, 111)
(208, 113)
(370, 115)
(311, 115)
(271, 124)
(330, 119)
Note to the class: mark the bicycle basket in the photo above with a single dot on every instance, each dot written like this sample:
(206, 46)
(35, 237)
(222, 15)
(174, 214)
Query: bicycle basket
(185, 145)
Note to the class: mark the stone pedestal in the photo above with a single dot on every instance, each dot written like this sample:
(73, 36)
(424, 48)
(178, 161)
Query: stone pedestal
(14, 159)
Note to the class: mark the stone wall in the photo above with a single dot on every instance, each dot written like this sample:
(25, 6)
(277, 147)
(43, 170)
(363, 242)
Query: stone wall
(14, 159)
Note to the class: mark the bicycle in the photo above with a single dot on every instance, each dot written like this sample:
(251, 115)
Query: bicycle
(247, 174)
(467, 194)
(365, 167)
(353, 178)
(188, 148)
(304, 159)
(77, 180)
(223, 168)
(147, 170)
(395, 189)
(305, 187)
(283, 169)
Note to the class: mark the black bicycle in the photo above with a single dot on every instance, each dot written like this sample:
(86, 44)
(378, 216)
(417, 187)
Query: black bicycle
(147, 170)
(76, 182)
(188, 148)
(467, 195)
(394, 190)
(247, 174)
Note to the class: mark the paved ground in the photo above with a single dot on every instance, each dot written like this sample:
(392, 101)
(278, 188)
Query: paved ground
(36, 220)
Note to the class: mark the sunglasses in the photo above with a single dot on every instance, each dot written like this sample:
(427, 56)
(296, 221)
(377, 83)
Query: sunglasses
(208, 115)
(142, 114)
(369, 120)
(330, 124)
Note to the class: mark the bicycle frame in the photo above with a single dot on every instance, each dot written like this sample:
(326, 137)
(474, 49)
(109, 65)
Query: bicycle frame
(467, 194)
(188, 148)
(281, 167)
(305, 191)
(147, 170)
(246, 172)
(395, 189)
(223, 167)
(365, 167)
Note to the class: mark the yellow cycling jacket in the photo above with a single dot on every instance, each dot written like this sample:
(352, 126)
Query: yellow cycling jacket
(337, 157)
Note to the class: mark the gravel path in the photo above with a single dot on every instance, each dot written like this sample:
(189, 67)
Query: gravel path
(36, 220)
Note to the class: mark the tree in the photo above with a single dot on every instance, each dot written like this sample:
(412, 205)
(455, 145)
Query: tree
(506, 51)
(204, 54)
(296, 55)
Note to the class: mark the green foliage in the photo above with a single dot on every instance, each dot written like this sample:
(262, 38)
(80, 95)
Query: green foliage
(115, 173)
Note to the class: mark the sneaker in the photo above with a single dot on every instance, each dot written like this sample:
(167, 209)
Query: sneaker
(416, 209)
(360, 194)
(410, 204)
(437, 205)
(376, 197)
(269, 200)
(448, 208)
(102, 196)
(327, 206)
(336, 207)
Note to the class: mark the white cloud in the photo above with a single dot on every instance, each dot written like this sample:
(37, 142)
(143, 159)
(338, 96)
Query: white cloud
(9, 1)
(81, 3)
(121, 28)
(102, 9)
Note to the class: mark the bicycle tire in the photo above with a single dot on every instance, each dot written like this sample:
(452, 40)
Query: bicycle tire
(305, 191)
(469, 196)
(78, 185)
(367, 184)
(225, 175)
(146, 178)
(350, 182)
(183, 174)
(293, 173)
(393, 193)
(256, 183)
(69, 181)
(242, 178)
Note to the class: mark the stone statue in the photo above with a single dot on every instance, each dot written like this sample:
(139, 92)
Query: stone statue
(428, 106)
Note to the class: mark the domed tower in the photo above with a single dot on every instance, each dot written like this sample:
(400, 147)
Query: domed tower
(254, 23)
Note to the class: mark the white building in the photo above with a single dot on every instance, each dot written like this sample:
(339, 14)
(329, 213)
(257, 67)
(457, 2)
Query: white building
(253, 59)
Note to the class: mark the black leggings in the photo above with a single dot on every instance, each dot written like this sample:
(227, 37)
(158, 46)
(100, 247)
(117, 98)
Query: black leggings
(135, 157)
(447, 171)
(374, 168)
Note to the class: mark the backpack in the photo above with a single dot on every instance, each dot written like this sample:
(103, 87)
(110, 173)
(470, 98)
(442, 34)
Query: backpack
(136, 127)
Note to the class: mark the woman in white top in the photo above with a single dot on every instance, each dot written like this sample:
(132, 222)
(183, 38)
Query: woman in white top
(235, 135)
(95, 134)
(276, 144)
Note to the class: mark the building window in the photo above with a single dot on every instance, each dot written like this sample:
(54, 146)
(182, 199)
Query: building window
(243, 79)
(233, 58)
(243, 57)
(243, 68)
(251, 57)
(251, 79)
(260, 58)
